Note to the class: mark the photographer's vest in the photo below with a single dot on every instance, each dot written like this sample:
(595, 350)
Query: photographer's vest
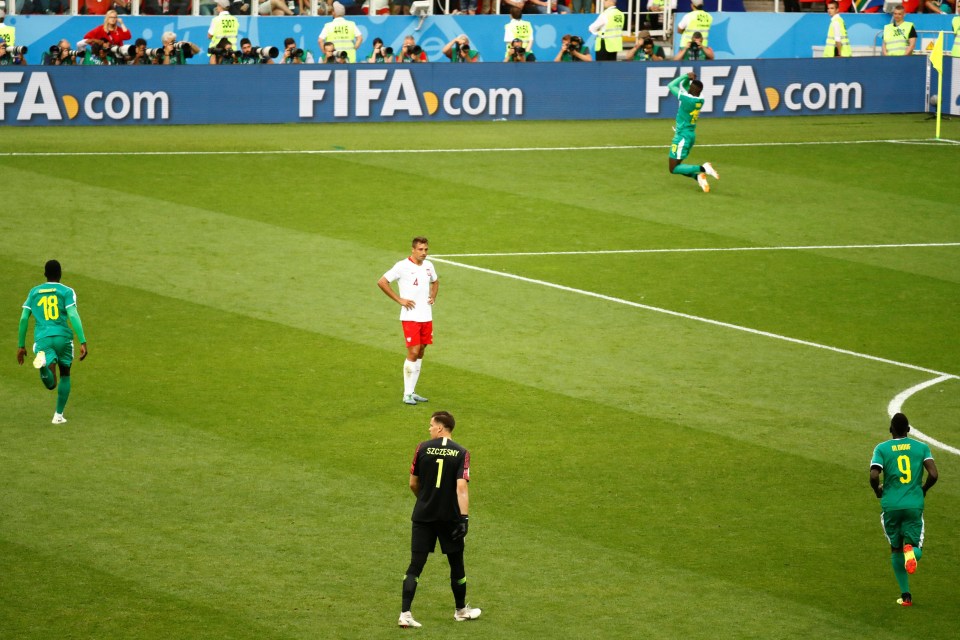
(9, 34)
(829, 49)
(225, 26)
(611, 38)
(521, 29)
(955, 52)
(343, 35)
(897, 37)
(700, 21)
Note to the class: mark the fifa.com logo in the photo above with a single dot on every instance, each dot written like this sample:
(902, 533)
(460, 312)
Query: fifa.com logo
(38, 99)
(384, 94)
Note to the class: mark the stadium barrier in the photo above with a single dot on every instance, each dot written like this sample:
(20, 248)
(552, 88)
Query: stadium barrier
(391, 93)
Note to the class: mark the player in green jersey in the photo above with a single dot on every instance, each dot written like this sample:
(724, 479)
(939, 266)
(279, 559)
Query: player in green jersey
(51, 304)
(687, 89)
(902, 460)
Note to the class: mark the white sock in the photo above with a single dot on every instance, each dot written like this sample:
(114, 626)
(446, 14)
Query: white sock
(409, 382)
(415, 376)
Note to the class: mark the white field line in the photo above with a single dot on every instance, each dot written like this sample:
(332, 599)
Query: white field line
(896, 405)
(698, 250)
(280, 152)
(941, 376)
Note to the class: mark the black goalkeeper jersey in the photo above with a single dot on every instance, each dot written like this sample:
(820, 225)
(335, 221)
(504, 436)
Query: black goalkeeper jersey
(439, 463)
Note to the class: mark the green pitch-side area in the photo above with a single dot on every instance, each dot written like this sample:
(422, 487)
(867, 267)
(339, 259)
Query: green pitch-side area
(653, 457)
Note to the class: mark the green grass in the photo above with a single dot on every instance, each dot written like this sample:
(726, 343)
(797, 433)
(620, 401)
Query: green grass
(236, 458)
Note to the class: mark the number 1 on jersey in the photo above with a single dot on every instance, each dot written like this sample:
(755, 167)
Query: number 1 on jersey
(439, 471)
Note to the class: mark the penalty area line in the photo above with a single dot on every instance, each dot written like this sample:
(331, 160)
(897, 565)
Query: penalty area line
(280, 152)
(697, 250)
(687, 316)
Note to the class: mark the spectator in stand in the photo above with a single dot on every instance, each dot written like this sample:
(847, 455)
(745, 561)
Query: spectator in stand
(538, 6)
(8, 57)
(939, 6)
(517, 29)
(572, 50)
(517, 53)
(510, 5)
(97, 7)
(112, 31)
(458, 50)
(401, 7)
(695, 49)
(411, 51)
(645, 50)
(373, 7)
(47, 7)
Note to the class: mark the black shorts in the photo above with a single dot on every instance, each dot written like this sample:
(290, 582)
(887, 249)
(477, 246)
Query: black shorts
(426, 534)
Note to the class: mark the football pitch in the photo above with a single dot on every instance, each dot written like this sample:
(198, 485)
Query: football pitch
(670, 397)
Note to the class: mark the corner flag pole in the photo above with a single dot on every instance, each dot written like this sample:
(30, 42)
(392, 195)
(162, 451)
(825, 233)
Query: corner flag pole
(936, 59)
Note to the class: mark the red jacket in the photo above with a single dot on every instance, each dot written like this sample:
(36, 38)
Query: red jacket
(115, 37)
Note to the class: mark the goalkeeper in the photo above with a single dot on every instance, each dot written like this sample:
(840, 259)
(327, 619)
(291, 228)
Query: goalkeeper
(687, 89)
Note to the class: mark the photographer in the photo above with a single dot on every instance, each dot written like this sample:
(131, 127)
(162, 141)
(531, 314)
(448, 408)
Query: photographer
(174, 52)
(140, 55)
(223, 53)
(60, 55)
(516, 53)
(380, 53)
(11, 56)
(695, 49)
(292, 54)
(645, 51)
(411, 51)
(458, 50)
(572, 50)
(256, 55)
(98, 53)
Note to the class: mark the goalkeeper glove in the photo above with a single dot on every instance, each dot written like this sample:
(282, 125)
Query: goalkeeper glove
(460, 529)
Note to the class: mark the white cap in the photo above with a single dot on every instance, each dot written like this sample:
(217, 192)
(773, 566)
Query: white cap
(223, 3)
(338, 9)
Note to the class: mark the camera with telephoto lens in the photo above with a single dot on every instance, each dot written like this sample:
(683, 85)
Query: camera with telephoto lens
(265, 52)
(694, 45)
(575, 43)
(464, 47)
(343, 55)
(17, 51)
(415, 50)
(387, 51)
(222, 52)
(296, 53)
(124, 51)
(519, 52)
(154, 53)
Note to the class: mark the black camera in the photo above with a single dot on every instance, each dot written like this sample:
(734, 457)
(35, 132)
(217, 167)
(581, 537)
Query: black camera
(575, 43)
(464, 47)
(415, 50)
(694, 45)
(266, 52)
(519, 51)
(221, 52)
(296, 53)
(387, 51)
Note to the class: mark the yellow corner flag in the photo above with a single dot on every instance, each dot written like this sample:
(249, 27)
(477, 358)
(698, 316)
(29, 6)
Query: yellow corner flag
(936, 59)
(936, 56)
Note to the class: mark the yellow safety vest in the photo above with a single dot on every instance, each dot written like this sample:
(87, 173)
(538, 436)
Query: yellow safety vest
(343, 35)
(612, 35)
(523, 30)
(9, 34)
(701, 22)
(897, 37)
(829, 48)
(955, 52)
(226, 26)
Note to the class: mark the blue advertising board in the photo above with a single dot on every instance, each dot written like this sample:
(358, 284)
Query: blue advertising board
(389, 93)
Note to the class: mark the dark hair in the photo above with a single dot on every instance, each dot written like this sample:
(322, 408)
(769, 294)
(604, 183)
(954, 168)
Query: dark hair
(139, 41)
(419, 240)
(289, 41)
(899, 425)
(244, 41)
(648, 41)
(376, 40)
(224, 42)
(444, 418)
(52, 270)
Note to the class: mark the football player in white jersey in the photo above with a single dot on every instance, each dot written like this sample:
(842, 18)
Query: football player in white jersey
(418, 284)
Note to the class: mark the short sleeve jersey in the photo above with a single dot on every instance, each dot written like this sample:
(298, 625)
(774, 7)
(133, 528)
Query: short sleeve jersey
(439, 464)
(414, 282)
(901, 461)
(688, 111)
(48, 303)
